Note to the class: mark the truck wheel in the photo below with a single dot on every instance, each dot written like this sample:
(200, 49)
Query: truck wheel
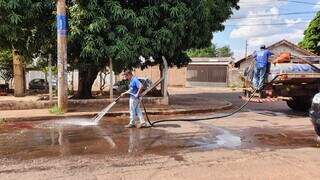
(300, 103)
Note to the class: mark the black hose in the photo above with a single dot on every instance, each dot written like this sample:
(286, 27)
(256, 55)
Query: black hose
(209, 117)
(205, 118)
(145, 111)
(222, 116)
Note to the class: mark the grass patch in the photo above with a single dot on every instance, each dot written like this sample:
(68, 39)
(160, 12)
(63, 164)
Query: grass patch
(2, 121)
(235, 85)
(56, 110)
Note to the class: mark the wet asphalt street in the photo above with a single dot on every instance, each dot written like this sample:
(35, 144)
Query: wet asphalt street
(264, 141)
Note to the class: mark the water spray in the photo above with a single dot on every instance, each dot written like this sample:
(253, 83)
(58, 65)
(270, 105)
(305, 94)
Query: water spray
(100, 115)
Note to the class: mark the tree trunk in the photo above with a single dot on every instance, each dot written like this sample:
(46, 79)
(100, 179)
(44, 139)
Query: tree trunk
(87, 77)
(164, 73)
(18, 74)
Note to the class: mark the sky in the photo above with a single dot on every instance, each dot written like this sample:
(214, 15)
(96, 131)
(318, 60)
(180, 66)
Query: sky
(272, 24)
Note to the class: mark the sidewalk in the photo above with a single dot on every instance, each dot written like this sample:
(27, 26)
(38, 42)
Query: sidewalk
(182, 101)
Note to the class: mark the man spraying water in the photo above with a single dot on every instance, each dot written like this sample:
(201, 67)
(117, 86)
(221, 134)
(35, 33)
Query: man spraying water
(135, 88)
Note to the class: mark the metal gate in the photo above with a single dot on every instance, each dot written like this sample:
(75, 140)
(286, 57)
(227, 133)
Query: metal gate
(207, 75)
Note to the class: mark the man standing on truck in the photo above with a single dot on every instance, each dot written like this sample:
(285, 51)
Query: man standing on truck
(135, 88)
(260, 69)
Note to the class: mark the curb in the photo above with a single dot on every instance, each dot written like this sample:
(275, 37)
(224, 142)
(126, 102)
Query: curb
(120, 113)
(27, 105)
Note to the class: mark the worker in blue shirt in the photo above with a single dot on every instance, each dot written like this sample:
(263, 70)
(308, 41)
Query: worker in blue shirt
(260, 69)
(135, 88)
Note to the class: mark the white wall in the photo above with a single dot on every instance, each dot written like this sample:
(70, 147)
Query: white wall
(96, 84)
(41, 75)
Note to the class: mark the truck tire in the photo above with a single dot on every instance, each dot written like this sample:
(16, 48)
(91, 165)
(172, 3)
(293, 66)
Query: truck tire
(300, 103)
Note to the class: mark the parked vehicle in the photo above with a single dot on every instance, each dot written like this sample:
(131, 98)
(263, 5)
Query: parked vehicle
(38, 84)
(122, 86)
(295, 82)
(41, 84)
(4, 87)
(315, 113)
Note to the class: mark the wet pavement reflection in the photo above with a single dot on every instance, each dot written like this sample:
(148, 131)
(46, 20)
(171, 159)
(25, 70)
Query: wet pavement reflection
(29, 140)
(79, 137)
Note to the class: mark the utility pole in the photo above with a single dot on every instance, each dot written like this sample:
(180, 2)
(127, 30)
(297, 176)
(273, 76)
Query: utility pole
(62, 54)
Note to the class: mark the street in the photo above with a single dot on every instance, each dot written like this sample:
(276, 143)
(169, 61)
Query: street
(265, 141)
(154, 90)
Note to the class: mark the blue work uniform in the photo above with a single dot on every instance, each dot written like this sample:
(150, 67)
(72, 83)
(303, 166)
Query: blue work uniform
(134, 101)
(260, 69)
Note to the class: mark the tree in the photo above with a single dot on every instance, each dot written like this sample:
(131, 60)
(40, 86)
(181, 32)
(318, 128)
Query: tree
(6, 66)
(210, 51)
(224, 51)
(103, 75)
(125, 30)
(311, 39)
(23, 27)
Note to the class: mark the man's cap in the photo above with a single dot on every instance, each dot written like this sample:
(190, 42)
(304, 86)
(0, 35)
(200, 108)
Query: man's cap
(263, 46)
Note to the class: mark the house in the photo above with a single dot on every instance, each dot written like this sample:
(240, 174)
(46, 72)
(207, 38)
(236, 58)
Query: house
(212, 72)
(277, 48)
(200, 72)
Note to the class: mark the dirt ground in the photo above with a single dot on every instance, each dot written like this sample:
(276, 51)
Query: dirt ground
(265, 141)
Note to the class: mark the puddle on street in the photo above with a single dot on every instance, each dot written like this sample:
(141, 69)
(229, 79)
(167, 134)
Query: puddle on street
(217, 138)
(80, 137)
(29, 140)
(277, 138)
(290, 114)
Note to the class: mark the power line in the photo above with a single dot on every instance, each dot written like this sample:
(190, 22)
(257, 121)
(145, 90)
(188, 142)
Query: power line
(290, 1)
(269, 24)
(300, 2)
(270, 15)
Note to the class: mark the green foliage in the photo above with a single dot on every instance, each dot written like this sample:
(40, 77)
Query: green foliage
(41, 64)
(224, 51)
(2, 121)
(311, 40)
(211, 51)
(55, 110)
(6, 65)
(25, 24)
(235, 85)
(125, 30)
(204, 52)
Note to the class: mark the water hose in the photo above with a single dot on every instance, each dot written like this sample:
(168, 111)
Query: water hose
(225, 115)
(209, 117)
(198, 119)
